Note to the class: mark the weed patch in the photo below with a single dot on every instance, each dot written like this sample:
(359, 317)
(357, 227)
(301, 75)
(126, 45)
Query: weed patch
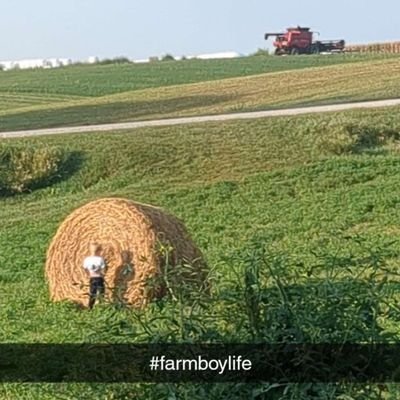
(24, 168)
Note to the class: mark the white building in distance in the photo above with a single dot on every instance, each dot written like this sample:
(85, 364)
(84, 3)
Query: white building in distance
(211, 56)
(93, 60)
(218, 56)
(61, 62)
(35, 63)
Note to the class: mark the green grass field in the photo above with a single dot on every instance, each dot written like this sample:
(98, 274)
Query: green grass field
(309, 204)
(101, 80)
(82, 95)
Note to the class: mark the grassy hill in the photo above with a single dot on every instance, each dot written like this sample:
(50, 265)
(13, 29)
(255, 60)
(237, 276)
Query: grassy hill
(308, 205)
(101, 80)
(103, 94)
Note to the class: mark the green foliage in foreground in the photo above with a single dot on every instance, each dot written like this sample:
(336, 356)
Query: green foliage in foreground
(298, 218)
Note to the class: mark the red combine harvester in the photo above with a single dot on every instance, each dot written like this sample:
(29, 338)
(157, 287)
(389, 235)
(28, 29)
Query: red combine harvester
(301, 41)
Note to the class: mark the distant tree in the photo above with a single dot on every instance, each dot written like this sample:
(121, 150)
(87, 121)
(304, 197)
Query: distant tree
(261, 52)
(2, 67)
(168, 57)
(116, 60)
(121, 60)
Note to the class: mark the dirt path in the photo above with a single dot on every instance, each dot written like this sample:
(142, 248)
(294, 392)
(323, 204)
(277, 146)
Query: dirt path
(199, 119)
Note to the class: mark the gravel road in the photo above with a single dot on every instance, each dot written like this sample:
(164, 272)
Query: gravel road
(200, 119)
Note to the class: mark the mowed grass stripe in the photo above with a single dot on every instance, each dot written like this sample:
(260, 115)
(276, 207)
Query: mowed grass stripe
(18, 102)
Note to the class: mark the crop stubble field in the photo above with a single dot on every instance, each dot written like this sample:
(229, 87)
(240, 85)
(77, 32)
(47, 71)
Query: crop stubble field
(309, 204)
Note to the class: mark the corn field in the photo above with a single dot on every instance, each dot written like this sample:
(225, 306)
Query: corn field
(387, 48)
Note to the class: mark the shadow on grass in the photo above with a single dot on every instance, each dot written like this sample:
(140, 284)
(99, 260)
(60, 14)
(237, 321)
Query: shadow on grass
(112, 112)
(370, 139)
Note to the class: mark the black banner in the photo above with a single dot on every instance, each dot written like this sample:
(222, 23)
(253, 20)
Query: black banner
(199, 363)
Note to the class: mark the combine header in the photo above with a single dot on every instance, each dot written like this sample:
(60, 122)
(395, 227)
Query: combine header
(301, 41)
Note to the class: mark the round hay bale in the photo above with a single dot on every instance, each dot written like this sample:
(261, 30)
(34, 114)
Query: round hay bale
(131, 236)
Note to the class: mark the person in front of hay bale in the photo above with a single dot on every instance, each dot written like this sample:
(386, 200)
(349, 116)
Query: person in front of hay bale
(95, 267)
